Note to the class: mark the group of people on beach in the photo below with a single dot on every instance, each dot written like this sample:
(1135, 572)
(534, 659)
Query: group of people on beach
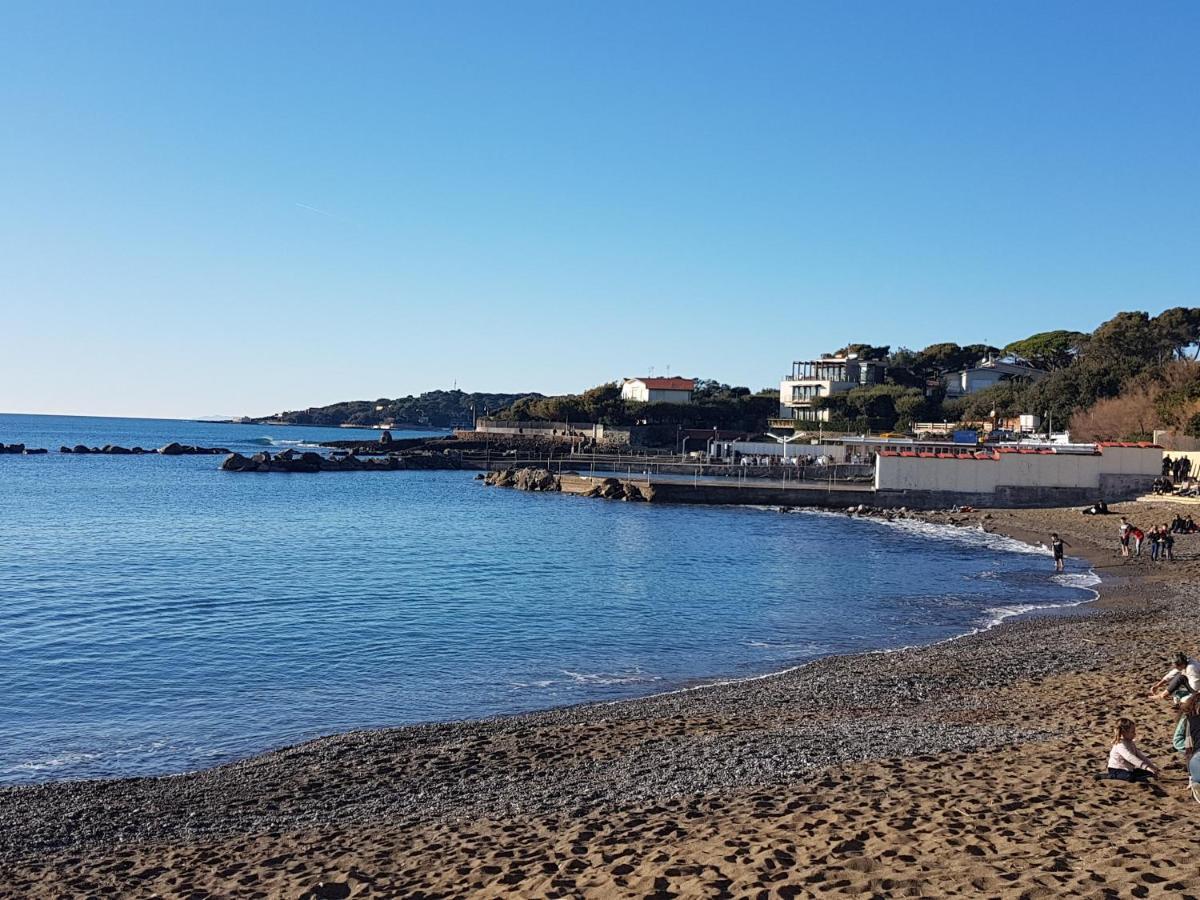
(1181, 685)
(1162, 539)
(1177, 469)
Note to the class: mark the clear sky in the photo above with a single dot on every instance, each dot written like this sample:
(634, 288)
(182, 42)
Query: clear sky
(245, 207)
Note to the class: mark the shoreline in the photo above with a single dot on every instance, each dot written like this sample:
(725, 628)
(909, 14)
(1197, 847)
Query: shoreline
(698, 755)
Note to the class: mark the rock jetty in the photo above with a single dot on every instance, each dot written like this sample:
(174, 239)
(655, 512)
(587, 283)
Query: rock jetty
(307, 462)
(172, 449)
(21, 448)
(528, 479)
(615, 489)
(534, 479)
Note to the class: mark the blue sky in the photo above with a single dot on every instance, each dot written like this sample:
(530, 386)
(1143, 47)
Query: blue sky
(239, 208)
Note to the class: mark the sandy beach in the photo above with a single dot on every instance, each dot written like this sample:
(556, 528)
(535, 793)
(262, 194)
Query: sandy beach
(964, 768)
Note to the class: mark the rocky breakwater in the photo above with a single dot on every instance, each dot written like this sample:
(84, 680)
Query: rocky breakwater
(528, 479)
(615, 489)
(172, 449)
(534, 479)
(308, 462)
(21, 448)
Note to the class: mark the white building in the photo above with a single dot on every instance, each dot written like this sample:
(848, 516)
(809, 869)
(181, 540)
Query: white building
(658, 390)
(989, 373)
(812, 379)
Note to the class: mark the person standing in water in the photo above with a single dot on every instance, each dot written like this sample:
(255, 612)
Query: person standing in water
(1056, 545)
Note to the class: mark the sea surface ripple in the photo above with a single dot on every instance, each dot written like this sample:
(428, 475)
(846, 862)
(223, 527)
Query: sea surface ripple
(158, 615)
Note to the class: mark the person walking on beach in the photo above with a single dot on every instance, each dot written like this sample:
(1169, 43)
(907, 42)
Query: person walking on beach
(1056, 545)
(1125, 761)
(1155, 543)
(1125, 530)
(1136, 535)
(1181, 681)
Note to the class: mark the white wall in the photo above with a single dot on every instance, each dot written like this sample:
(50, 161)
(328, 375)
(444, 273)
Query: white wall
(1067, 470)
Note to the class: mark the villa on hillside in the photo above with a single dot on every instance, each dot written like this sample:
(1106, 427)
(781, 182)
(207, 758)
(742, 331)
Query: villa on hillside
(658, 390)
(813, 379)
(989, 373)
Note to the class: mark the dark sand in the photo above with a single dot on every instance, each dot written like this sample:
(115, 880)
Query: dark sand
(959, 769)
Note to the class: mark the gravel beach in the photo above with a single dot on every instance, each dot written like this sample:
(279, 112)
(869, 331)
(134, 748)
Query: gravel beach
(960, 768)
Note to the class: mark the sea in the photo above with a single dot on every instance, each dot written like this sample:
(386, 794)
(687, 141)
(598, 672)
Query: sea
(158, 615)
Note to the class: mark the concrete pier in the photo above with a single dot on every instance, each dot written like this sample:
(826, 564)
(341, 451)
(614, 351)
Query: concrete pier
(664, 489)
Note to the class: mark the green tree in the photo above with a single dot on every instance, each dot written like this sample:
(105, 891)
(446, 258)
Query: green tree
(1048, 349)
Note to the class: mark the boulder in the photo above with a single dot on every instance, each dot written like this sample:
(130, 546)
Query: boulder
(31, 451)
(172, 449)
(64, 449)
(611, 489)
(79, 448)
(536, 480)
(235, 462)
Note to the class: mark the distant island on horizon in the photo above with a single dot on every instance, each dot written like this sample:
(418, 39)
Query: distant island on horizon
(432, 409)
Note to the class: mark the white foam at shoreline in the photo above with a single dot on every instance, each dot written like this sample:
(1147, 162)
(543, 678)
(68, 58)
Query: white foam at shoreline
(974, 537)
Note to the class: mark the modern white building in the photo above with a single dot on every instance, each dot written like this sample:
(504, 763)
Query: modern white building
(812, 379)
(658, 390)
(989, 373)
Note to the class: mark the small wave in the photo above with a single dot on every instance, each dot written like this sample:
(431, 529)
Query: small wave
(540, 685)
(806, 647)
(975, 537)
(261, 441)
(54, 762)
(606, 678)
(1085, 580)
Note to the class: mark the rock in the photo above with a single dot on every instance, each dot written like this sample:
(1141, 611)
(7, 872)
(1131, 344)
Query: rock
(611, 489)
(64, 450)
(330, 890)
(32, 451)
(172, 449)
(79, 448)
(632, 492)
(12, 448)
(235, 462)
(385, 438)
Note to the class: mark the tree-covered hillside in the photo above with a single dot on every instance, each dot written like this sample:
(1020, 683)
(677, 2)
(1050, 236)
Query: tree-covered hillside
(1133, 374)
(438, 409)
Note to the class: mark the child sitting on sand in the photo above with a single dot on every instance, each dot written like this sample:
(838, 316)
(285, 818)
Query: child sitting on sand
(1125, 761)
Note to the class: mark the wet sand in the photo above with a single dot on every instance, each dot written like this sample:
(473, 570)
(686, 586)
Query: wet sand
(964, 768)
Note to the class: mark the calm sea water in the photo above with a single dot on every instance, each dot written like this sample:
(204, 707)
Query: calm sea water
(158, 615)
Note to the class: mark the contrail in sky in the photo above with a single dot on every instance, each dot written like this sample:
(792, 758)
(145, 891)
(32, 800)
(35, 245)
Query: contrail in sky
(320, 212)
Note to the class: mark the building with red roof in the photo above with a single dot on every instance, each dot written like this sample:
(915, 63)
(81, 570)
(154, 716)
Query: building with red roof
(658, 390)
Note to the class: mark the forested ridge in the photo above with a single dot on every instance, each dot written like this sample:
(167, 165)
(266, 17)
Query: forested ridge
(437, 409)
(1133, 374)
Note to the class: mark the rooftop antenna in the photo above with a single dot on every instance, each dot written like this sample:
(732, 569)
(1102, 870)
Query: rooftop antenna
(668, 370)
(652, 371)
